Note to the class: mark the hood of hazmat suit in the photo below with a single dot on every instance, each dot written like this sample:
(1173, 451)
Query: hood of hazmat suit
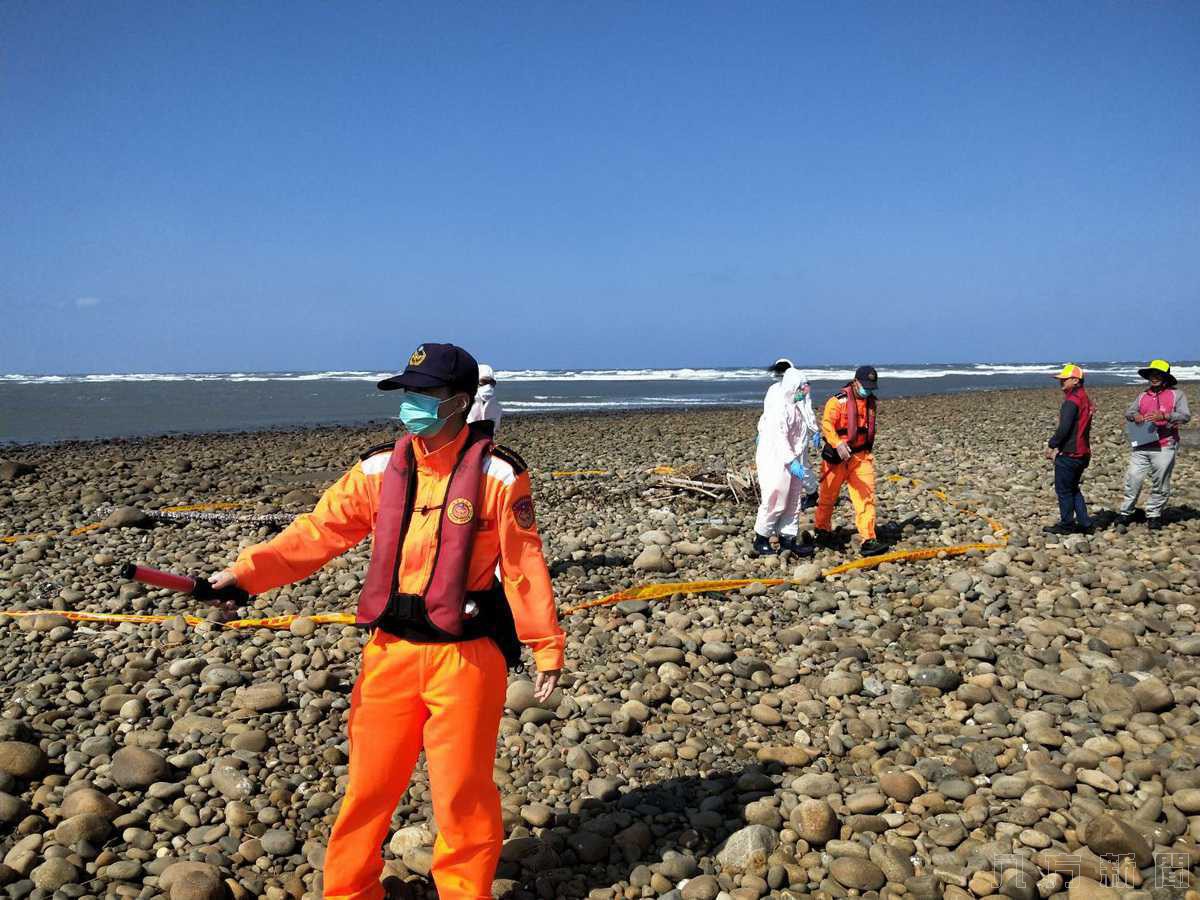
(486, 406)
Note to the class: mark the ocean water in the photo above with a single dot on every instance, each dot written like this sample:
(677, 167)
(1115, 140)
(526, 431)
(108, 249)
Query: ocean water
(47, 408)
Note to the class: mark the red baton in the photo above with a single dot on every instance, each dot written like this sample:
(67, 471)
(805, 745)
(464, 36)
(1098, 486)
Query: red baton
(184, 584)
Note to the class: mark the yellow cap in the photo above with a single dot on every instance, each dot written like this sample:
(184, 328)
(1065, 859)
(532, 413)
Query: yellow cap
(1160, 368)
(1070, 370)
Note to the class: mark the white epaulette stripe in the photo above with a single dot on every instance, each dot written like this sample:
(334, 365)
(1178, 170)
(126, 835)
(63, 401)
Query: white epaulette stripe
(494, 467)
(375, 465)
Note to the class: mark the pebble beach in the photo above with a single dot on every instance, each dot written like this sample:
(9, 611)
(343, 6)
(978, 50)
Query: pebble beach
(1019, 721)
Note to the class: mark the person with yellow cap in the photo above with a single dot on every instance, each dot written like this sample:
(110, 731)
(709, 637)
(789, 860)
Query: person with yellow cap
(1071, 451)
(1165, 407)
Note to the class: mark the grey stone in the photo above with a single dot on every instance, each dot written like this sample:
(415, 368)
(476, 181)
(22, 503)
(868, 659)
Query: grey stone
(747, 850)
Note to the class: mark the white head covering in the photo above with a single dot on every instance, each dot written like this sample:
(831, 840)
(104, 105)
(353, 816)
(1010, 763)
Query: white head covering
(782, 361)
(793, 380)
(484, 392)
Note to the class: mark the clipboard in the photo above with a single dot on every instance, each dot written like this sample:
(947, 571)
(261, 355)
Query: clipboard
(1141, 434)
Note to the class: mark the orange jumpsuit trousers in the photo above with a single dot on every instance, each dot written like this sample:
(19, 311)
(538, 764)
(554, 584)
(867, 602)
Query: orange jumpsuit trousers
(447, 698)
(444, 698)
(858, 473)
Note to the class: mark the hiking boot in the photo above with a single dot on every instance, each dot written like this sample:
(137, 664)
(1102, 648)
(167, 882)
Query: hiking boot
(872, 547)
(1154, 523)
(796, 546)
(1125, 518)
(395, 889)
(1089, 528)
(762, 547)
(1059, 528)
(824, 538)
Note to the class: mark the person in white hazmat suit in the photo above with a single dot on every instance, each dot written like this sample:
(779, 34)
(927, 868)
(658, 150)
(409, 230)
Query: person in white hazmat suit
(786, 432)
(486, 407)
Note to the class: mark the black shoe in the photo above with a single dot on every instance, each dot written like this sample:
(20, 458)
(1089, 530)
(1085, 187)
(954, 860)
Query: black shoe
(1059, 528)
(1125, 518)
(1085, 529)
(1154, 523)
(762, 547)
(873, 547)
(796, 546)
(824, 538)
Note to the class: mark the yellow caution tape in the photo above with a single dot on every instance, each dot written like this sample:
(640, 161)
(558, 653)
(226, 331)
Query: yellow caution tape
(643, 592)
(275, 622)
(870, 562)
(279, 622)
(667, 589)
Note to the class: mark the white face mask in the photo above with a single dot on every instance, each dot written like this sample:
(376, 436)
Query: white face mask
(486, 391)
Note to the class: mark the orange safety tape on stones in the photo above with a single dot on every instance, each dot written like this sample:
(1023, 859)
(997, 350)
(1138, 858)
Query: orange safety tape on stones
(642, 592)
(17, 538)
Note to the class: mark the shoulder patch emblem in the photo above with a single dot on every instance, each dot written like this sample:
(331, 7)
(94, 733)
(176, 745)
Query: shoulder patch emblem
(460, 511)
(523, 512)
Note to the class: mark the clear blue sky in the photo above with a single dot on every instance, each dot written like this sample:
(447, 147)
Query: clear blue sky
(256, 186)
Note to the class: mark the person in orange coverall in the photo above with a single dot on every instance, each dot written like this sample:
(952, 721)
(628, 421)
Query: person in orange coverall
(848, 427)
(419, 687)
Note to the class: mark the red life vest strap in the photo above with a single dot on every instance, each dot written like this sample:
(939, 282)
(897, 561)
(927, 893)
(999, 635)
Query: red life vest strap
(445, 593)
(851, 432)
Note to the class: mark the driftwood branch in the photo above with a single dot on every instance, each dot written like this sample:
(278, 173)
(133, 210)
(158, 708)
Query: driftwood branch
(696, 487)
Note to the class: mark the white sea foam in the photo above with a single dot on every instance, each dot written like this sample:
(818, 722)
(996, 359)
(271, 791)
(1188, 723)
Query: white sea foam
(1124, 370)
(627, 403)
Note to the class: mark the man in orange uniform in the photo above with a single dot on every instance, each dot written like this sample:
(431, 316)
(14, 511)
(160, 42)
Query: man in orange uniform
(848, 427)
(444, 506)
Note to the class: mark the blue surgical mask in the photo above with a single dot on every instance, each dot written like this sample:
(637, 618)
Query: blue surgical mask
(864, 392)
(419, 413)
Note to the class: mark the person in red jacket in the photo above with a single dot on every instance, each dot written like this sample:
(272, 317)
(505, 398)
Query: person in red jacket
(1071, 451)
(444, 505)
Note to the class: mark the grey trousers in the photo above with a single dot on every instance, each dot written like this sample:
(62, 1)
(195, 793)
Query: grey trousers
(1158, 465)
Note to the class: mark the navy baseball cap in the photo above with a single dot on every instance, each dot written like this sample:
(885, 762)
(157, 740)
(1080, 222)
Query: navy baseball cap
(867, 377)
(436, 365)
